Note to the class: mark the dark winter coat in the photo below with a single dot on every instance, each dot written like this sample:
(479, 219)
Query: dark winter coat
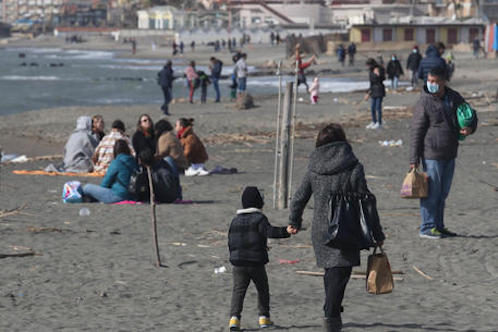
(413, 61)
(434, 127)
(141, 142)
(165, 77)
(432, 60)
(332, 168)
(377, 88)
(216, 70)
(394, 69)
(247, 237)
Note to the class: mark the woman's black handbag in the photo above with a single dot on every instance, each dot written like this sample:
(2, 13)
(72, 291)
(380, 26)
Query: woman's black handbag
(352, 218)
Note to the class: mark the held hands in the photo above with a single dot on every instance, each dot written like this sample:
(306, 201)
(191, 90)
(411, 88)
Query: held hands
(366, 97)
(291, 230)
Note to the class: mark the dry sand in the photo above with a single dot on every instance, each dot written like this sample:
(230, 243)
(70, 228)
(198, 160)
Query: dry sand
(95, 273)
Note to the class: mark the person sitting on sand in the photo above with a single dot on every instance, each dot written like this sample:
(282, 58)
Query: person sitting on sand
(104, 153)
(247, 242)
(170, 150)
(333, 169)
(80, 147)
(114, 186)
(193, 149)
(98, 127)
(314, 90)
(144, 137)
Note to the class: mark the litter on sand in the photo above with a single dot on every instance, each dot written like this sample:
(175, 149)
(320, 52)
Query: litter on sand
(391, 143)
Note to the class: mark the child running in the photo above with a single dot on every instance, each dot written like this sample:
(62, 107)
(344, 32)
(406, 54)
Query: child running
(247, 242)
(314, 91)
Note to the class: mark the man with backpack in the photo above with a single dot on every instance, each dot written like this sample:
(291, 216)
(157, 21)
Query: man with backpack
(165, 80)
(216, 67)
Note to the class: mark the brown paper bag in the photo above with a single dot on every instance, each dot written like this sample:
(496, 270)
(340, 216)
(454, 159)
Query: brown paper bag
(379, 276)
(415, 185)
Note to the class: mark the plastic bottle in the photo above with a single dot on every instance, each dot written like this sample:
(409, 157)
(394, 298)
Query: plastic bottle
(84, 212)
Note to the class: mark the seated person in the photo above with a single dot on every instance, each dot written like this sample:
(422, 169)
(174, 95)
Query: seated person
(144, 138)
(80, 147)
(98, 127)
(114, 186)
(166, 184)
(104, 153)
(169, 147)
(194, 150)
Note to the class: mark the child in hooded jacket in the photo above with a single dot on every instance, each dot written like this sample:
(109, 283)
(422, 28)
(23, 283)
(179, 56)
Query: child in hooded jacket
(314, 90)
(247, 242)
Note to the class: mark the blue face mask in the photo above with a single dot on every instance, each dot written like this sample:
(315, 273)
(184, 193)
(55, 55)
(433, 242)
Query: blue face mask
(432, 88)
(393, 58)
(414, 51)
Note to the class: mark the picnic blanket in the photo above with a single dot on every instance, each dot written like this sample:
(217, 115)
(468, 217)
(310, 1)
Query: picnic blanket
(40, 172)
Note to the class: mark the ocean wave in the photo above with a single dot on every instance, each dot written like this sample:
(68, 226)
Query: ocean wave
(81, 55)
(326, 84)
(29, 78)
(34, 50)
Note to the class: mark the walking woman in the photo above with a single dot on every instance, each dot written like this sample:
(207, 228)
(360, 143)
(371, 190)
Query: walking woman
(144, 137)
(376, 92)
(192, 76)
(332, 169)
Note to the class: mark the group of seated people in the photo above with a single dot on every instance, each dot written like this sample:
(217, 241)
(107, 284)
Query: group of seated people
(125, 162)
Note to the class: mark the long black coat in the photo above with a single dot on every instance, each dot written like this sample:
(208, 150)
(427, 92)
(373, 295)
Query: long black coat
(333, 168)
(377, 88)
(394, 69)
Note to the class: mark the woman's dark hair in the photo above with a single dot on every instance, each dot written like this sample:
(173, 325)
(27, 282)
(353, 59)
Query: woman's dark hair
(118, 124)
(184, 122)
(371, 63)
(331, 133)
(121, 146)
(146, 157)
(192, 63)
(139, 125)
(162, 126)
(440, 72)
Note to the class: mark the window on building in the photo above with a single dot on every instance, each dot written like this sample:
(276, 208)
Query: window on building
(409, 34)
(365, 35)
(452, 36)
(430, 36)
(387, 35)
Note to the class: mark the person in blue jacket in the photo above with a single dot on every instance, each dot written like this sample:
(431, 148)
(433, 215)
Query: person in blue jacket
(432, 60)
(114, 186)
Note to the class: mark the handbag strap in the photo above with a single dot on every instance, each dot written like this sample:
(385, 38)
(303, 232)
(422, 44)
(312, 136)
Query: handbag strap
(380, 248)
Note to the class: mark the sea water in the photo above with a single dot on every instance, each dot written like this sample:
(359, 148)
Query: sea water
(52, 77)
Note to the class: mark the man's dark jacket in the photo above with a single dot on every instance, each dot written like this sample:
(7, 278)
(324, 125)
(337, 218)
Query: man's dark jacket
(247, 237)
(216, 70)
(434, 126)
(413, 61)
(377, 88)
(394, 69)
(432, 60)
(165, 77)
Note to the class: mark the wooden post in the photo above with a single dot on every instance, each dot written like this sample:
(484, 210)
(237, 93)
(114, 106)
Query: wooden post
(153, 217)
(283, 190)
(293, 132)
(277, 135)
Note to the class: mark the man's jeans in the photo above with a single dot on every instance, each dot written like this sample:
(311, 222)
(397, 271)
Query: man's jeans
(376, 109)
(216, 87)
(394, 82)
(101, 194)
(167, 99)
(242, 84)
(414, 77)
(440, 173)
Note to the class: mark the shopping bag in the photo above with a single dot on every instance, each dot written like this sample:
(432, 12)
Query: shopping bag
(415, 185)
(379, 275)
(72, 192)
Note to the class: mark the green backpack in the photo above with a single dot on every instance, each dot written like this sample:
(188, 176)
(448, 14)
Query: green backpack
(466, 117)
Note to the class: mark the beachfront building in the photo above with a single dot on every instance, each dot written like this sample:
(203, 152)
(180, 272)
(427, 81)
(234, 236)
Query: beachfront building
(43, 12)
(418, 30)
(166, 18)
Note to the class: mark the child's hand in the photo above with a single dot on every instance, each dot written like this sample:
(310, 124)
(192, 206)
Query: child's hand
(291, 230)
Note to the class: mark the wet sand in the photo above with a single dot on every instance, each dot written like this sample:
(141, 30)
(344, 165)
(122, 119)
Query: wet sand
(96, 273)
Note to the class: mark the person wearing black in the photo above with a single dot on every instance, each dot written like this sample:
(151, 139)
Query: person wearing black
(216, 67)
(204, 81)
(351, 53)
(341, 54)
(144, 137)
(376, 92)
(432, 60)
(333, 169)
(413, 63)
(394, 71)
(165, 79)
(247, 242)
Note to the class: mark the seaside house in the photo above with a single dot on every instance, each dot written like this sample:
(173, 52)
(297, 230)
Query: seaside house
(166, 18)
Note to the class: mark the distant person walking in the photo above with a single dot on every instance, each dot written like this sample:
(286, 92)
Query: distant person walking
(341, 54)
(476, 46)
(182, 46)
(351, 53)
(272, 38)
(432, 60)
(133, 46)
(394, 71)
(413, 63)
(174, 48)
(301, 66)
(278, 39)
(241, 67)
(165, 79)
(204, 81)
(192, 77)
(376, 92)
(314, 91)
(434, 143)
(192, 46)
(216, 68)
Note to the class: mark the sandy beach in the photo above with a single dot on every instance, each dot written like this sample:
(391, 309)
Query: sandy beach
(96, 273)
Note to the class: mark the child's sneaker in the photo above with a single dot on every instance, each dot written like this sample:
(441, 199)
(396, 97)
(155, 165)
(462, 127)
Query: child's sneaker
(234, 324)
(265, 322)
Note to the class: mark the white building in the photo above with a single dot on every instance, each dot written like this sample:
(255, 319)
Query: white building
(166, 18)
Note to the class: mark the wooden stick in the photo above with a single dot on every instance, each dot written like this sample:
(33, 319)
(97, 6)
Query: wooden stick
(153, 217)
(6, 213)
(419, 271)
(20, 254)
(353, 276)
